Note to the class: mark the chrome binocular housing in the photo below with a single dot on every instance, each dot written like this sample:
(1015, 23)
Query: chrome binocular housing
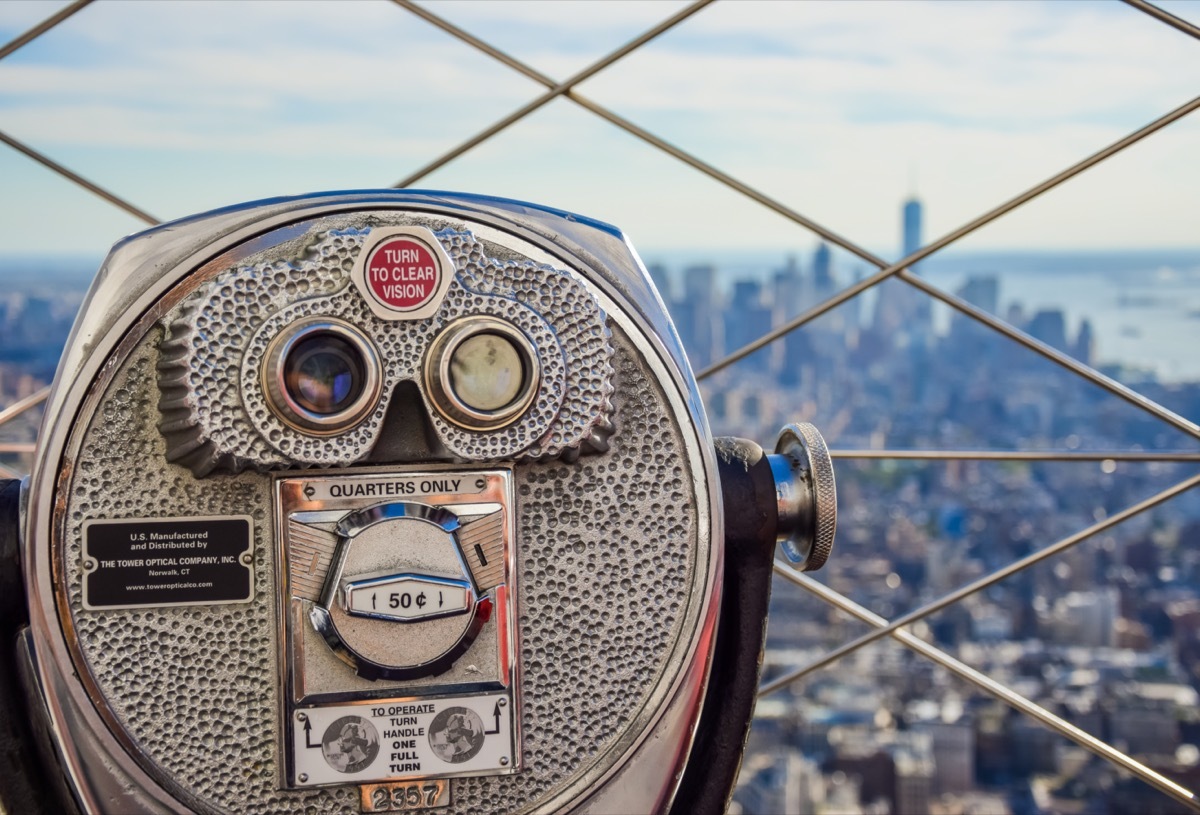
(381, 501)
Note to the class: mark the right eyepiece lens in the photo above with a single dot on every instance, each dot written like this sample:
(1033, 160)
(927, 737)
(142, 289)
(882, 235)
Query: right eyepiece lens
(487, 372)
(324, 373)
(481, 373)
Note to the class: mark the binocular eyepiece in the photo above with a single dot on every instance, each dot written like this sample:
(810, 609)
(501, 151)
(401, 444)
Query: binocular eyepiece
(393, 501)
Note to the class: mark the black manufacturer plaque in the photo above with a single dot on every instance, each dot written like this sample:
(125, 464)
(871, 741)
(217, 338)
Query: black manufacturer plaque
(167, 562)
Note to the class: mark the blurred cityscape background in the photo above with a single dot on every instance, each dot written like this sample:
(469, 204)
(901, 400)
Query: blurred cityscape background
(889, 123)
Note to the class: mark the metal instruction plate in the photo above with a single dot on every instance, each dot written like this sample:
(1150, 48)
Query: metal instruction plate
(390, 741)
(137, 562)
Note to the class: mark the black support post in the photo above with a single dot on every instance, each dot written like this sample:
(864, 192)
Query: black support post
(748, 493)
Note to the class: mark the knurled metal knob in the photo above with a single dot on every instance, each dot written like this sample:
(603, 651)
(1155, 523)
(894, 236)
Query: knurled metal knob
(805, 494)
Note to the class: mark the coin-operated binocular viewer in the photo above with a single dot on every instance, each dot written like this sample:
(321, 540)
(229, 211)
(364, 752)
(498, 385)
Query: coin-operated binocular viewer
(389, 501)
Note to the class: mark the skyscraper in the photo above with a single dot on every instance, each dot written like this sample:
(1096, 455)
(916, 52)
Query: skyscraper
(822, 271)
(969, 339)
(1085, 344)
(696, 315)
(922, 306)
(788, 290)
(662, 281)
(1050, 326)
(746, 319)
(982, 290)
(901, 308)
(912, 227)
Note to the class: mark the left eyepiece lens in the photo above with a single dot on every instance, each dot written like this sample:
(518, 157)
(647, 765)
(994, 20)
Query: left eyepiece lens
(322, 376)
(324, 373)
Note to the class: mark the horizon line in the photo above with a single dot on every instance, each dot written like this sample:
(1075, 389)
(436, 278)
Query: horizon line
(644, 250)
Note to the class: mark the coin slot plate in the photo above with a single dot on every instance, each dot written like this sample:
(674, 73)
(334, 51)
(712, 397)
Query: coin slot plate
(315, 683)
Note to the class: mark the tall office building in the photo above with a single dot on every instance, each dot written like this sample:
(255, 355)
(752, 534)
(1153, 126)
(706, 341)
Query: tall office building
(968, 336)
(791, 293)
(822, 271)
(824, 286)
(912, 227)
(983, 291)
(747, 319)
(902, 310)
(914, 240)
(789, 289)
(1085, 344)
(1050, 326)
(696, 315)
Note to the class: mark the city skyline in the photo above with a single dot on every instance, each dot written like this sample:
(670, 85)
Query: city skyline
(1104, 636)
(1028, 289)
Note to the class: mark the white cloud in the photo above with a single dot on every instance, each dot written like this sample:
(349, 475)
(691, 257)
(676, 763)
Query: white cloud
(826, 106)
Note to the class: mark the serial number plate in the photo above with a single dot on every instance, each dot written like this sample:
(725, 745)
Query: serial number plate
(431, 794)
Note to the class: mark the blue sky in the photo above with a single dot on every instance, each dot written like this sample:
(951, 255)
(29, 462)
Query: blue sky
(839, 110)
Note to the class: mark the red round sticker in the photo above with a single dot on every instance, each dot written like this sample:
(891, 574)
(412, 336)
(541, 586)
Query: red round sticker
(402, 273)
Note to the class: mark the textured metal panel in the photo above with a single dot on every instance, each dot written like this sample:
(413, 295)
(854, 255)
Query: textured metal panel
(215, 414)
(606, 554)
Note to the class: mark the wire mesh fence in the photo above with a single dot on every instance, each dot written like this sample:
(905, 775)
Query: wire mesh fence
(15, 450)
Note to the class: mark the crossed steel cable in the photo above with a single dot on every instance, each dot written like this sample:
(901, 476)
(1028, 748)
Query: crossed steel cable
(982, 583)
(899, 270)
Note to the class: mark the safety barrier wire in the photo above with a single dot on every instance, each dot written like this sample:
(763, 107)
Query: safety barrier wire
(42, 27)
(634, 130)
(887, 270)
(8, 414)
(1018, 455)
(554, 92)
(982, 583)
(1166, 17)
(566, 89)
(47, 162)
(75, 177)
(996, 689)
(17, 408)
